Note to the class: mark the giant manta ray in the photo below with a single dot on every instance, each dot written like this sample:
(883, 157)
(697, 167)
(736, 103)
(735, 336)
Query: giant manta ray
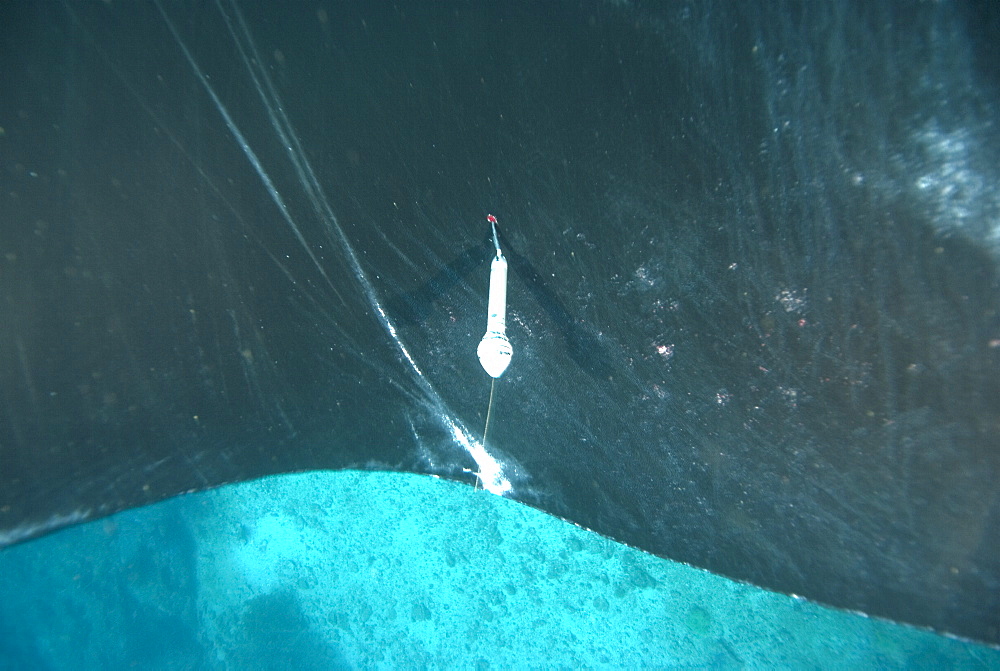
(751, 281)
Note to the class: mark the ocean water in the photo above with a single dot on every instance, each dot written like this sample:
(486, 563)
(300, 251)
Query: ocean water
(361, 570)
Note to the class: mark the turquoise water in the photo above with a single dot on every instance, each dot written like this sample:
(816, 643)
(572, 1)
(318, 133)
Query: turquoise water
(395, 571)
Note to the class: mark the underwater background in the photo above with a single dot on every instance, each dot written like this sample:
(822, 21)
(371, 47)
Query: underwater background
(357, 570)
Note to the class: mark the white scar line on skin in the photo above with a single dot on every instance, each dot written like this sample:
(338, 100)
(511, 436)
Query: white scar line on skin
(490, 469)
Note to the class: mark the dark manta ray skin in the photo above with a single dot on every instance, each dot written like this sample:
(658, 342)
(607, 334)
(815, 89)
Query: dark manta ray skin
(752, 282)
